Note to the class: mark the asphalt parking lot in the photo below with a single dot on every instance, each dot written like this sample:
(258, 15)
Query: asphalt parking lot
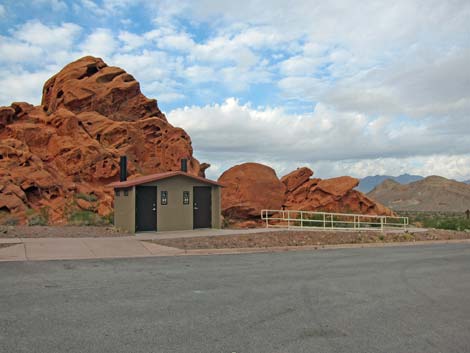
(394, 299)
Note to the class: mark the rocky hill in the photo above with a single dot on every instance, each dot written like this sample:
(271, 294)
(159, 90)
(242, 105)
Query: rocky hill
(251, 187)
(58, 157)
(433, 193)
(370, 182)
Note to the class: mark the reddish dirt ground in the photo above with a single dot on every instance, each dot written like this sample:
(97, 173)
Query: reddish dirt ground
(59, 232)
(303, 238)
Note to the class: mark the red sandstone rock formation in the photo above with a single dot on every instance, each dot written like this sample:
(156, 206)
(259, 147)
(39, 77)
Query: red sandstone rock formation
(89, 84)
(330, 195)
(70, 145)
(296, 178)
(251, 187)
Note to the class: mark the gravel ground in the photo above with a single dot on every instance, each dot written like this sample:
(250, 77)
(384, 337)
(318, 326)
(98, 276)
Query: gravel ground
(296, 238)
(59, 232)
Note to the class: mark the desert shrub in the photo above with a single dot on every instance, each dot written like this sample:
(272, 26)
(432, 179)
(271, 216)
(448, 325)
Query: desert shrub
(310, 220)
(86, 218)
(109, 218)
(87, 197)
(439, 220)
(6, 219)
(40, 218)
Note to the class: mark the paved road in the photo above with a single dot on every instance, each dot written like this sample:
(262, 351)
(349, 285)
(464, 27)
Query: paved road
(405, 299)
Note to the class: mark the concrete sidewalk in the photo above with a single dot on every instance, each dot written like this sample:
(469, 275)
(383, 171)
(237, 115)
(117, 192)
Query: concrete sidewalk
(202, 233)
(22, 249)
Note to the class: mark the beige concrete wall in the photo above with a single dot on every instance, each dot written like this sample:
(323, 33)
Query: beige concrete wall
(176, 215)
(216, 208)
(124, 210)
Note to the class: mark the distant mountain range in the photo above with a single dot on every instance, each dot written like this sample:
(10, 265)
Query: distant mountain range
(370, 182)
(433, 193)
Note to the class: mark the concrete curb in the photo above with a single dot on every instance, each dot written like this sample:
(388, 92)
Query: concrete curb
(316, 247)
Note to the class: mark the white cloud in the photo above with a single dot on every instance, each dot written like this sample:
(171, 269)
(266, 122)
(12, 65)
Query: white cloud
(231, 133)
(100, 43)
(13, 52)
(33, 42)
(37, 34)
(55, 5)
(22, 86)
(167, 38)
(450, 166)
(90, 5)
(299, 65)
(131, 41)
(199, 73)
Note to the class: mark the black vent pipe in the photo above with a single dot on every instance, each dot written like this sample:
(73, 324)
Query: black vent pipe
(123, 168)
(184, 165)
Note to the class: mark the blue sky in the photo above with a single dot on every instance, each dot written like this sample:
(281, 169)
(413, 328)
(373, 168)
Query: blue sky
(340, 86)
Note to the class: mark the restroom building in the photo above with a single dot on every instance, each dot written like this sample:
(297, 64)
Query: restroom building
(166, 201)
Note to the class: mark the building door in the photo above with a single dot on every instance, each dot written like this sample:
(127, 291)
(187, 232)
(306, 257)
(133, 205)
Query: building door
(146, 208)
(202, 207)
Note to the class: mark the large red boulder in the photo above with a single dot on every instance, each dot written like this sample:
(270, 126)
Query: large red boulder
(249, 188)
(66, 150)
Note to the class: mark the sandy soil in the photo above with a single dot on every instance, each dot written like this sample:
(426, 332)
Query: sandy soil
(59, 232)
(296, 238)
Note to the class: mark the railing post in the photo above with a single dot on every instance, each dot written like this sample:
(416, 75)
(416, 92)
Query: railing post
(288, 219)
(332, 221)
(382, 223)
(324, 221)
(301, 219)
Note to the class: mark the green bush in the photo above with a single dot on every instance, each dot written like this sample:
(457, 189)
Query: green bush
(438, 220)
(109, 218)
(40, 218)
(87, 197)
(86, 218)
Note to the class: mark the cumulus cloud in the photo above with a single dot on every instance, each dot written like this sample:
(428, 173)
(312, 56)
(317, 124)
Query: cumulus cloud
(235, 132)
(37, 34)
(31, 43)
(101, 42)
(22, 86)
(131, 41)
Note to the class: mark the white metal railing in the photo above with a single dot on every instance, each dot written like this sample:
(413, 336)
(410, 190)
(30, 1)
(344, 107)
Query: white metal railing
(328, 220)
